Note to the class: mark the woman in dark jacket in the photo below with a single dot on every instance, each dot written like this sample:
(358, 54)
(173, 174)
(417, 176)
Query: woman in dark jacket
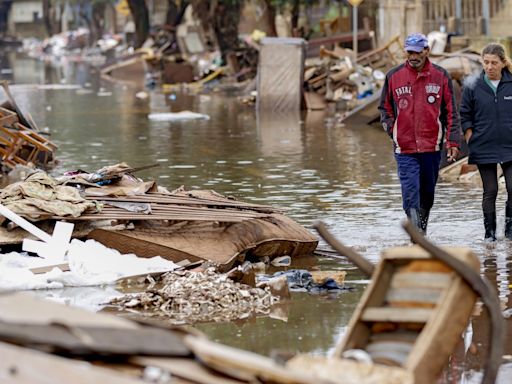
(486, 117)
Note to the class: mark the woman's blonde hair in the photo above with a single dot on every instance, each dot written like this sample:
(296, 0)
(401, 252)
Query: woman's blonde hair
(498, 50)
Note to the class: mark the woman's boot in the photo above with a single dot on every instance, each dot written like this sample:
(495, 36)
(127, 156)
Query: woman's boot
(490, 226)
(424, 220)
(508, 222)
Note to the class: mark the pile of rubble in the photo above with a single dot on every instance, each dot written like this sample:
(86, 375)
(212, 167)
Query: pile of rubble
(191, 297)
(338, 76)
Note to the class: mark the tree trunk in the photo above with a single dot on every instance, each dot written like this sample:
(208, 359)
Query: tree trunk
(271, 15)
(140, 16)
(98, 21)
(82, 11)
(295, 17)
(225, 25)
(47, 18)
(111, 19)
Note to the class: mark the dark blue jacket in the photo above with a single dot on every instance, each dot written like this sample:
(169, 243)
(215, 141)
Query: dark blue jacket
(490, 116)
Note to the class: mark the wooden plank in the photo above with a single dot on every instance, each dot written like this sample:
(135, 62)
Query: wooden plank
(63, 267)
(245, 365)
(28, 309)
(106, 341)
(415, 280)
(348, 371)
(398, 315)
(154, 198)
(23, 366)
(437, 341)
(185, 368)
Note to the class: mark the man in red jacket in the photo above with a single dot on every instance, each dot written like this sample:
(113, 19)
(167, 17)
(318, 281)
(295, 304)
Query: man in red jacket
(418, 112)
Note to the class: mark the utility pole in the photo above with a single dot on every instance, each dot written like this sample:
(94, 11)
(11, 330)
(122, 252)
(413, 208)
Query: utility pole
(355, 37)
(485, 16)
(458, 16)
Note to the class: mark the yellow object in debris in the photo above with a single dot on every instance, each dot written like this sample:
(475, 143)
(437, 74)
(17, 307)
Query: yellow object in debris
(195, 84)
(122, 8)
(257, 35)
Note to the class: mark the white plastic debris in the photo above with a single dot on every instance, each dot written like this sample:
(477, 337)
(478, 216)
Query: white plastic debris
(90, 264)
(177, 116)
(54, 246)
(141, 95)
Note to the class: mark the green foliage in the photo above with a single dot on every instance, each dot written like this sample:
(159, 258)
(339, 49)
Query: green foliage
(231, 2)
(76, 2)
(279, 4)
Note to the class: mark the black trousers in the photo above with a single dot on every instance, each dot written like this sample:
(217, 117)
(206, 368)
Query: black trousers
(489, 175)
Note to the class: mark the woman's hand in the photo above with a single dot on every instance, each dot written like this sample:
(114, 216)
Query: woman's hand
(468, 134)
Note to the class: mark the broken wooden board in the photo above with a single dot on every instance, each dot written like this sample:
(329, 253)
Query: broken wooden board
(384, 314)
(22, 365)
(221, 244)
(90, 341)
(64, 267)
(188, 369)
(27, 309)
(343, 371)
(463, 172)
(244, 365)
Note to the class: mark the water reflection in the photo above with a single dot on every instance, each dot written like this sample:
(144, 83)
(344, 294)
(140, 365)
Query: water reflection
(343, 175)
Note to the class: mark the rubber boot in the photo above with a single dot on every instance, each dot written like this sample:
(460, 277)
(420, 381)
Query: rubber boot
(424, 214)
(508, 222)
(414, 216)
(490, 226)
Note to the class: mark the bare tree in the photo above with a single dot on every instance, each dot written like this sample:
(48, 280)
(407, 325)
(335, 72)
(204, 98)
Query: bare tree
(140, 15)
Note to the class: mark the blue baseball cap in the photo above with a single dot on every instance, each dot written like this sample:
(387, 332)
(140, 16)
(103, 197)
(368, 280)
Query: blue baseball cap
(416, 42)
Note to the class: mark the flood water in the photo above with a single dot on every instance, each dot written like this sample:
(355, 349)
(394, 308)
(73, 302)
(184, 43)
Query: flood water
(343, 175)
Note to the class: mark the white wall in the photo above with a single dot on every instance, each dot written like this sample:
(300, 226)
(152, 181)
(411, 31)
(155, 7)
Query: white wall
(23, 11)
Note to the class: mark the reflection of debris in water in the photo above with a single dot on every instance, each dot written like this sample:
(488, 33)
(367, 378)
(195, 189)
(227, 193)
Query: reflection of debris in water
(191, 297)
(90, 298)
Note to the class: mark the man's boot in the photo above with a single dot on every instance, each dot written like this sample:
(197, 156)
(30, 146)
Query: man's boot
(508, 222)
(490, 226)
(414, 216)
(424, 213)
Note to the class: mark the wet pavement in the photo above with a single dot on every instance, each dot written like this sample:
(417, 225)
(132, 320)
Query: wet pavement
(344, 175)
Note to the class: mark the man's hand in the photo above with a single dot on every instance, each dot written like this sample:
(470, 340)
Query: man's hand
(452, 154)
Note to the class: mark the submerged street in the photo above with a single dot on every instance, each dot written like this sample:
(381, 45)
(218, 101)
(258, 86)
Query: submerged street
(307, 165)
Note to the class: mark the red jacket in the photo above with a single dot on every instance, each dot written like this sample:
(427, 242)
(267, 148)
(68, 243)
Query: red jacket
(418, 109)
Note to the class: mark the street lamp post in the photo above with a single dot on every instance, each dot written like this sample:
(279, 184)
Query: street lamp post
(355, 5)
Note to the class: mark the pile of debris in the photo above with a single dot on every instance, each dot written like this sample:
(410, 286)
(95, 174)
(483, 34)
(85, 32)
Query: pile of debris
(191, 297)
(337, 76)
(130, 215)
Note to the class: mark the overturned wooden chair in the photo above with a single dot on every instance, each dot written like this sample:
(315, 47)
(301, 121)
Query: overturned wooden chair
(22, 145)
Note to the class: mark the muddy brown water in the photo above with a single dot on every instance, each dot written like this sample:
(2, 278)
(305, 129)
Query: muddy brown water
(344, 175)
